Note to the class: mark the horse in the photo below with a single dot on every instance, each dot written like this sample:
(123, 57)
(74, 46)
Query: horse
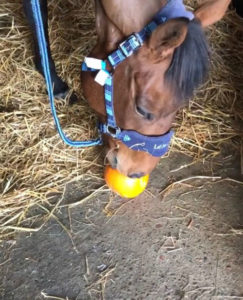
(152, 83)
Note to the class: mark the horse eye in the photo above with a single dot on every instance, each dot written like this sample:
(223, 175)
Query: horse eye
(141, 111)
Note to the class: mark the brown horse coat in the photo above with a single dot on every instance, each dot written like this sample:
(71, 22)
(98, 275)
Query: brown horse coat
(143, 99)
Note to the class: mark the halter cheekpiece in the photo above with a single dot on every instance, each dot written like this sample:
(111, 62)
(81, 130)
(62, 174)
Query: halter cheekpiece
(154, 145)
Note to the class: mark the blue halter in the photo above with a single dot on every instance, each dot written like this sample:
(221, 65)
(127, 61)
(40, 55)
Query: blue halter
(154, 145)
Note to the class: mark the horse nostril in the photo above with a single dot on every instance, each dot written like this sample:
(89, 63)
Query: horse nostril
(136, 175)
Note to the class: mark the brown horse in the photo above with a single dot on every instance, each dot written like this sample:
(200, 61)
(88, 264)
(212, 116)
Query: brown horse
(152, 84)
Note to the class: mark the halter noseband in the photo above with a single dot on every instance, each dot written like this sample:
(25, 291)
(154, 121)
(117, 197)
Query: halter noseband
(154, 145)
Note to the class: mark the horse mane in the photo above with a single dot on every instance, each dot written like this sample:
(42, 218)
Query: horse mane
(190, 63)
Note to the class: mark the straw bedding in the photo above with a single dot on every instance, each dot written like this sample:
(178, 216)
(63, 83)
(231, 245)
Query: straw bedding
(34, 161)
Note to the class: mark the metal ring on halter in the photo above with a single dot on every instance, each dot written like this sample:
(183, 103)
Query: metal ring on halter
(113, 131)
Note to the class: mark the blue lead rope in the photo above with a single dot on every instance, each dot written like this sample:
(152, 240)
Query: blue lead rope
(46, 69)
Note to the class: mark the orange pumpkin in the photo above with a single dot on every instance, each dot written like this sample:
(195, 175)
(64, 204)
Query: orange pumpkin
(125, 186)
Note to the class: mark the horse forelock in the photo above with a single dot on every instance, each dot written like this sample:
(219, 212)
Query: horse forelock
(190, 63)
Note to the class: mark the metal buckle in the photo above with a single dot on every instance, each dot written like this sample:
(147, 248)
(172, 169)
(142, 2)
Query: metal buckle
(108, 129)
(133, 43)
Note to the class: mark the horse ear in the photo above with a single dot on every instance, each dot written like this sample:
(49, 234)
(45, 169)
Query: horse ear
(211, 11)
(167, 37)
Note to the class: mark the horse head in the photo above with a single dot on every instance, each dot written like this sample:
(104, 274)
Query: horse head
(151, 85)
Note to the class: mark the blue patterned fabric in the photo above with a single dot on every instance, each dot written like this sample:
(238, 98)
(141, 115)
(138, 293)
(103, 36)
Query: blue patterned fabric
(111, 121)
(154, 145)
(173, 9)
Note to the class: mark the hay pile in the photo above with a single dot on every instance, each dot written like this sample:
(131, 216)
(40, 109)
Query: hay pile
(34, 161)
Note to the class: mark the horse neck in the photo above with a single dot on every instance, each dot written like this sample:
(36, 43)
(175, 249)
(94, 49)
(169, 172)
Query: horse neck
(131, 15)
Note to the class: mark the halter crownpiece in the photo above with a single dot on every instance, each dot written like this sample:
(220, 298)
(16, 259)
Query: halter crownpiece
(154, 145)
(174, 9)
